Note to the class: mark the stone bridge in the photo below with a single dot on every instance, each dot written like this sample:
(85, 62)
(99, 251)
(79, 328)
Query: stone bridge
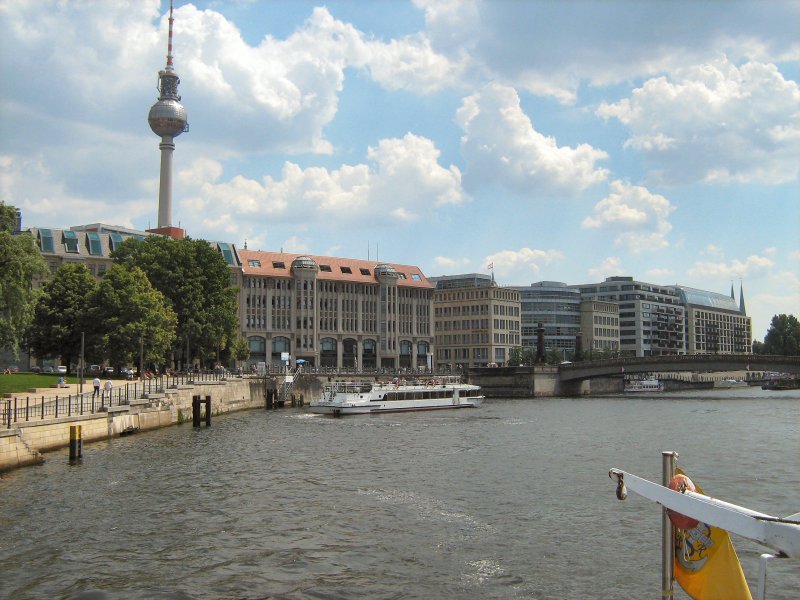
(686, 362)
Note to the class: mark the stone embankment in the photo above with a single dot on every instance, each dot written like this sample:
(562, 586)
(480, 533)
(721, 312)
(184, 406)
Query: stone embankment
(22, 442)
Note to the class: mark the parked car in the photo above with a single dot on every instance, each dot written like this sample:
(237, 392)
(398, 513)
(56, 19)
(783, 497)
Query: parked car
(108, 370)
(127, 373)
(61, 369)
(94, 369)
(47, 370)
(12, 369)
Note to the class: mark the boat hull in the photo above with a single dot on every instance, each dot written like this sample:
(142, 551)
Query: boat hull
(374, 408)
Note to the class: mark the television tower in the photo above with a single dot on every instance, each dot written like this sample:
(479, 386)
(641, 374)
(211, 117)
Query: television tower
(167, 119)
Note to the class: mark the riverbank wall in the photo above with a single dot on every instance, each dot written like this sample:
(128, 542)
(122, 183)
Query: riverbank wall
(25, 442)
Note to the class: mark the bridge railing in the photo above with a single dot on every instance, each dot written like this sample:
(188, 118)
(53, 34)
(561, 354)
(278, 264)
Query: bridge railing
(751, 359)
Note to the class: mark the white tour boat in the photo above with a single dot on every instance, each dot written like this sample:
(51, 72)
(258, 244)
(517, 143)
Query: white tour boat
(644, 385)
(399, 395)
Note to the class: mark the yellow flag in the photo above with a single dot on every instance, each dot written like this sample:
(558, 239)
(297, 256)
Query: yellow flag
(706, 565)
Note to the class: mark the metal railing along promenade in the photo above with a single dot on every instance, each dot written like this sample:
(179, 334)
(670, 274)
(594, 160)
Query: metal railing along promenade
(49, 406)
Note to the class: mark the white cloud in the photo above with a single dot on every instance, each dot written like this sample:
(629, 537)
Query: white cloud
(522, 262)
(639, 217)
(795, 256)
(699, 123)
(602, 43)
(752, 265)
(610, 267)
(447, 263)
(500, 145)
(402, 183)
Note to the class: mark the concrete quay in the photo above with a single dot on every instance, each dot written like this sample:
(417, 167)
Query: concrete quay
(24, 442)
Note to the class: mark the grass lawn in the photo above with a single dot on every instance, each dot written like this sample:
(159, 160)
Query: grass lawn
(19, 382)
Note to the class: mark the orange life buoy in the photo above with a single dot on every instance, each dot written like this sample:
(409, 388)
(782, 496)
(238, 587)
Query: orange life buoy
(681, 483)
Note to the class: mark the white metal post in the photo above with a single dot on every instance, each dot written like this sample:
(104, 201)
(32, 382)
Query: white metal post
(667, 535)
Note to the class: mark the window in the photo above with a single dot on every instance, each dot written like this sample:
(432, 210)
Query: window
(93, 241)
(46, 240)
(254, 263)
(114, 241)
(325, 268)
(277, 264)
(364, 271)
(346, 270)
(227, 254)
(70, 242)
(416, 277)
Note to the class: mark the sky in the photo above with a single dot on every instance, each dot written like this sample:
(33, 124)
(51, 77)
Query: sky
(553, 140)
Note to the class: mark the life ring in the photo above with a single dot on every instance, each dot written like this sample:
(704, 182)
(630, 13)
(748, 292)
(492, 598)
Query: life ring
(681, 483)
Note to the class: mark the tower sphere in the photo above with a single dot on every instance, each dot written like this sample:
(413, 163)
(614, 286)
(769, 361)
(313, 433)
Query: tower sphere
(167, 118)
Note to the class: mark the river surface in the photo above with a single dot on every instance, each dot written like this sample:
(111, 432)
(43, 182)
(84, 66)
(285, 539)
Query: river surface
(511, 500)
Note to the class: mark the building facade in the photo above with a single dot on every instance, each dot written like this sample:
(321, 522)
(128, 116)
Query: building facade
(600, 327)
(558, 308)
(652, 318)
(476, 323)
(334, 312)
(715, 324)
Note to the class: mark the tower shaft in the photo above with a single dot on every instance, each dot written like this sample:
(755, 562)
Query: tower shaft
(167, 147)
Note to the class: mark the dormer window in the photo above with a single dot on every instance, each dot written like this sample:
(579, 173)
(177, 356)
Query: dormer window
(70, 242)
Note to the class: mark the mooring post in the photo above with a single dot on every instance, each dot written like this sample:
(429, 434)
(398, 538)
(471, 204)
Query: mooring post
(667, 534)
(208, 411)
(302, 400)
(196, 411)
(75, 443)
(294, 401)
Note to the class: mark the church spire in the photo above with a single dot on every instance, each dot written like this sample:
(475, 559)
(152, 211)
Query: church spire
(741, 299)
(733, 297)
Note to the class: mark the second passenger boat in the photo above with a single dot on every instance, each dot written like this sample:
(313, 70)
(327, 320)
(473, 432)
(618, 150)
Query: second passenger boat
(400, 395)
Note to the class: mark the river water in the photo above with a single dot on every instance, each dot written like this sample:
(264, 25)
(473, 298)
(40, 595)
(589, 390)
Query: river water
(511, 500)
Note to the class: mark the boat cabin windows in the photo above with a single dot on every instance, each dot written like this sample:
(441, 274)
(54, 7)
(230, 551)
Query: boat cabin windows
(426, 394)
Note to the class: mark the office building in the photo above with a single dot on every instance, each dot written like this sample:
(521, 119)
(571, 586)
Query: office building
(715, 324)
(652, 318)
(476, 322)
(558, 308)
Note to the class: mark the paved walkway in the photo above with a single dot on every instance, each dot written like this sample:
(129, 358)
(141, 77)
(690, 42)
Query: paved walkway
(69, 389)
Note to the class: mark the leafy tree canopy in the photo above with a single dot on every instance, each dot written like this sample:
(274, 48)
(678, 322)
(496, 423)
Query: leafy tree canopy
(129, 314)
(783, 336)
(195, 280)
(8, 217)
(20, 263)
(60, 315)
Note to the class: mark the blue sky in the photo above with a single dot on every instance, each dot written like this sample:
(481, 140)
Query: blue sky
(565, 141)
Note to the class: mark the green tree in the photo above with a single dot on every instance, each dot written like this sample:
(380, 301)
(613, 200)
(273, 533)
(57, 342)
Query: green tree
(8, 217)
(783, 336)
(515, 356)
(758, 347)
(240, 350)
(128, 314)
(554, 357)
(21, 263)
(60, 315)
(196, 282)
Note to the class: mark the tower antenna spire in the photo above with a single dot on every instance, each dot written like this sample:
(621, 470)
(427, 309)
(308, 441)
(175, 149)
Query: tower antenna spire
(169, 39)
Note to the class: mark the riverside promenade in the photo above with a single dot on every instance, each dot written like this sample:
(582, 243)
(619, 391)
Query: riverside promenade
(35, 422)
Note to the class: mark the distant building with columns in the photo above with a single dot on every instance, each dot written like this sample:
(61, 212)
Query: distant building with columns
(334, 312)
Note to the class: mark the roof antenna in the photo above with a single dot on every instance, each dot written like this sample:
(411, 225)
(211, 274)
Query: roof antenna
(169, 39)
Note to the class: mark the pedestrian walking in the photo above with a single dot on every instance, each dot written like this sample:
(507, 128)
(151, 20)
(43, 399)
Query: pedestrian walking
(107, 387)
(96, 384)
